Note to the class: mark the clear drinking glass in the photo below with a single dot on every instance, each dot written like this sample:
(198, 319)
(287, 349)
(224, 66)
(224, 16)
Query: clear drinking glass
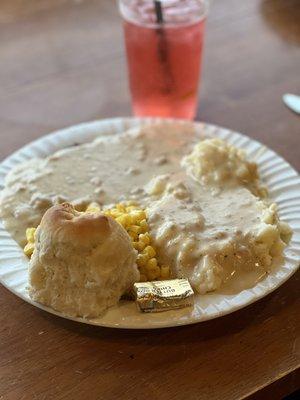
(164, 41)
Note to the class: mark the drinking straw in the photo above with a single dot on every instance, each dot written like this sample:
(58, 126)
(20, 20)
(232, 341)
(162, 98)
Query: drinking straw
(163, 47)
(158, 12)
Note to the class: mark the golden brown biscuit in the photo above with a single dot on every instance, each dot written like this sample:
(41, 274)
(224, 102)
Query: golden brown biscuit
(82, 263)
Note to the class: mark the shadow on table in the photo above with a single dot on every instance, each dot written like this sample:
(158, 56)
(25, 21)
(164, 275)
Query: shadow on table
(257, 313)
(283, 16)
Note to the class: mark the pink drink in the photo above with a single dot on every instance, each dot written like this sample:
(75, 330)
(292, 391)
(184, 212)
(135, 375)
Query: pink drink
(164, 65)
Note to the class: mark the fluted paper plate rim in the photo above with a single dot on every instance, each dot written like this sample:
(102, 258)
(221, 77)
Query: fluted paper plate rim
(284, 187)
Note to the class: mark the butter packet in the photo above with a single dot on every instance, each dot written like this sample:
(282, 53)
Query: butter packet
(166, 295)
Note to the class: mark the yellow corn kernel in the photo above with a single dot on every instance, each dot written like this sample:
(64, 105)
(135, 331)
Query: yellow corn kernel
(134, 228)
(141, 260)
(143, 269)
(134, 237)
(123, 220)
(130, 209)
(165, 272)
(30, 232)
(129, 218)
(152, 263)
(28, 249)
(143, 278)
(93, 208)
(144, 226)
(115, 213)
(149, 250)
(30, 236)
(120, 207)
(145, 238)
(141, 246)
(153, 273)
(138, 215)
(120, 220)
(135, 244)
(134, 220)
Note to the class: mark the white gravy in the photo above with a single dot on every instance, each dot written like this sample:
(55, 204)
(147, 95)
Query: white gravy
(203, 232)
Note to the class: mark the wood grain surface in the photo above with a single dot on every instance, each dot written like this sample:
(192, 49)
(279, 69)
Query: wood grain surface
(62, 62)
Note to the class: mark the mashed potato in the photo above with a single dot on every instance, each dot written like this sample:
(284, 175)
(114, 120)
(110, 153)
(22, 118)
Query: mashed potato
(215, 162)
(209, 245)
(211, 224)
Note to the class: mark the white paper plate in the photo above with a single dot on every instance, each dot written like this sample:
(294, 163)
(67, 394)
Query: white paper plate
(284, 188)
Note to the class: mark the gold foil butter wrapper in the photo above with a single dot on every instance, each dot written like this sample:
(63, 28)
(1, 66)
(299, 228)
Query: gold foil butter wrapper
(159, 296)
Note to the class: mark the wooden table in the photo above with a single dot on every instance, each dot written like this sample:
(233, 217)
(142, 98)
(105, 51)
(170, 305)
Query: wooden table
(62, 62)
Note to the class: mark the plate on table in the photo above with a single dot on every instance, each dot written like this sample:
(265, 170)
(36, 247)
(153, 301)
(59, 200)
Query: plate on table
(283, 183)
